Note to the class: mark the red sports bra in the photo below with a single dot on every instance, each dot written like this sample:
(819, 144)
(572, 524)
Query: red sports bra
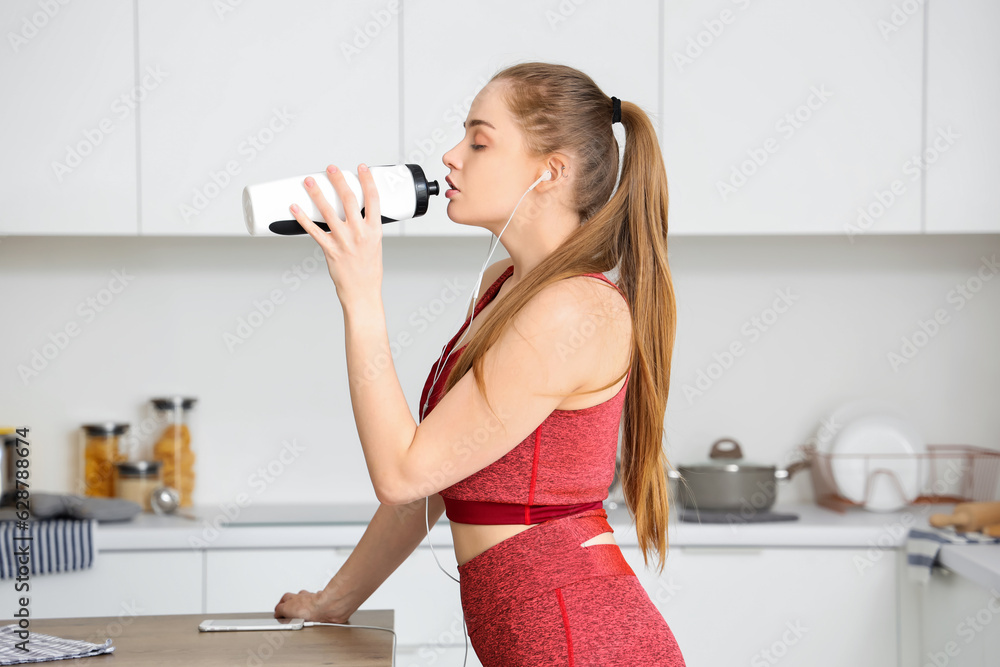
(564, 467)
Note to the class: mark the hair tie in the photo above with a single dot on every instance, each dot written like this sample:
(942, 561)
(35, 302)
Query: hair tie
(616, 115)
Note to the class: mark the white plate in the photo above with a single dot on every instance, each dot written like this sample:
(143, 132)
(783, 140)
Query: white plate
(873, 431)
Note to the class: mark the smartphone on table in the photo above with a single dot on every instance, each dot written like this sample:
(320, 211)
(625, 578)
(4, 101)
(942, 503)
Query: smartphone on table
(231, 624)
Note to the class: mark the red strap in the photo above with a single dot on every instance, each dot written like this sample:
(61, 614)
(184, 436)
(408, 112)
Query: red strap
(485, 512)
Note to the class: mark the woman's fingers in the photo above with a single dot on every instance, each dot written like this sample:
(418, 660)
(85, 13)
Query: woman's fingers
(352, 211)
(373, 214)
(307, 224)
(325, 209)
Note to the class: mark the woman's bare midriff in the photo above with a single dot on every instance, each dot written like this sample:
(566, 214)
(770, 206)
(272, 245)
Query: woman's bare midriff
(473, 539)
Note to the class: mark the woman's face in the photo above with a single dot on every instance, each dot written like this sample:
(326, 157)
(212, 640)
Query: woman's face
(489, 166)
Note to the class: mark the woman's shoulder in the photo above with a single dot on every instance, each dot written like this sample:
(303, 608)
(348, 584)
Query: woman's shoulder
(584, 301)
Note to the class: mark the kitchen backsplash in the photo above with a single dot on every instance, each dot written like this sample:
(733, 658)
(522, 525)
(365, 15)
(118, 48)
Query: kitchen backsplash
(96, 326)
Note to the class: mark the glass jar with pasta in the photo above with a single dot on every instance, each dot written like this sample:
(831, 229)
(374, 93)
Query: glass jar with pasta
(99, 452)
(173, 448)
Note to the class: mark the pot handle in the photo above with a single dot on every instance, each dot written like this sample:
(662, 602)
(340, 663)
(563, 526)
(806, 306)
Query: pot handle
(792, 469)
(718, 452)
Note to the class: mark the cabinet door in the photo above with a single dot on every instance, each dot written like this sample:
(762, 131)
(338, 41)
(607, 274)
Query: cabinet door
(67, 123)
(791, 117)
(963, 104)
(743, 606)
(446, 63)
(253, 580)
(123, 584)
(958, 621)
(438, 655)
(256, 92)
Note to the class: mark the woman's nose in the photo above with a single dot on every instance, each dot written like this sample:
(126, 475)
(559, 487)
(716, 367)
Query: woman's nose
(448, 157)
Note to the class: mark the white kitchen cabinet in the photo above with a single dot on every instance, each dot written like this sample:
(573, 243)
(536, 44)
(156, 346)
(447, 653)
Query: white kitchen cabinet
(68, 77)
(253, 580)
(963, 103)
(256, 92)
(444, 68)
(427, 602)
(792, 118)
(959, 622)
(438, 655)
(123, 584)
(821, 607)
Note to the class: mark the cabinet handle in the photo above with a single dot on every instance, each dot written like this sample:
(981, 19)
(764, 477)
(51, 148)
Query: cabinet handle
(729, 551)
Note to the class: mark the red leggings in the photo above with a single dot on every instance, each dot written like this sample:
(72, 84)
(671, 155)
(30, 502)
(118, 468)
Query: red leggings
(539, 598)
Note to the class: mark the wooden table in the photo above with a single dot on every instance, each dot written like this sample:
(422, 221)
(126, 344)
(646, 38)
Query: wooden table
(174, 639)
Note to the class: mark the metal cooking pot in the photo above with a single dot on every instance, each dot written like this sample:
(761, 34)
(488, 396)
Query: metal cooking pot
(724, 484)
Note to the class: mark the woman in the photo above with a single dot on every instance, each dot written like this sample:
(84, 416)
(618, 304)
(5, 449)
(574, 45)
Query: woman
(521, 451)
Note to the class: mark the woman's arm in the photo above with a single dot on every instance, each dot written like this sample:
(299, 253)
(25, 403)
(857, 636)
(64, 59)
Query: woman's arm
(392, 535)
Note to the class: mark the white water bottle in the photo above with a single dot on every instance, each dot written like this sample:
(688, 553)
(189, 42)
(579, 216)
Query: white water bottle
(403, 192)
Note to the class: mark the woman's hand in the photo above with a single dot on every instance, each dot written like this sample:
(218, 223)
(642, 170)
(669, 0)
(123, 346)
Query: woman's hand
(353, 247)
(308, 606)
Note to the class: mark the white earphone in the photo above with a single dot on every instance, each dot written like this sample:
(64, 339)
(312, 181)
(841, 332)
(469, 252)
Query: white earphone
(547, 176)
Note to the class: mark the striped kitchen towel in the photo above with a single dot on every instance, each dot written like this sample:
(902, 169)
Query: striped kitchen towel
(49, 545)
(923, 545)
(42, 648)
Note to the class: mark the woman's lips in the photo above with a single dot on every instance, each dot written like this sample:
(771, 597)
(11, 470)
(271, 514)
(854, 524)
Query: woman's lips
(450, 193)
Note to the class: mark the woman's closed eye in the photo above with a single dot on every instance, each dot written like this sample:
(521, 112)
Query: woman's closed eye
(477, 147)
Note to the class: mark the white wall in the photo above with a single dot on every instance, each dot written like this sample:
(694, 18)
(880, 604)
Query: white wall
(164, 333)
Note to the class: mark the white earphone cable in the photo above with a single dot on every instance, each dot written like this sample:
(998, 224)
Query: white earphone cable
(427, 521)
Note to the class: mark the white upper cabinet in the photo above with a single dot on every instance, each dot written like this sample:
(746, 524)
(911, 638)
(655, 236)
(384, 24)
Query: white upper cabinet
(792, 117)
(257, 91)
(452, 48)
(963, 104)
(67, 122)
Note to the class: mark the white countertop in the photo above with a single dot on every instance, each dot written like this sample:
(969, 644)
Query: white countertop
(342, 525)
(339, 525)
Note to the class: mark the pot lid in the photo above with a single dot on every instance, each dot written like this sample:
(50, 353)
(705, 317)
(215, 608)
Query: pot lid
(726, 455)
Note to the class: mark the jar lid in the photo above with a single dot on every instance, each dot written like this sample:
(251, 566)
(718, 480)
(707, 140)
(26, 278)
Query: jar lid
(106, 428)
(138, 468)
(171, 402)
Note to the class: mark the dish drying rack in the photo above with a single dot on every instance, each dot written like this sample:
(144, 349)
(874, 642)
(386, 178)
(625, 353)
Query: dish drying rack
(948, 474)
